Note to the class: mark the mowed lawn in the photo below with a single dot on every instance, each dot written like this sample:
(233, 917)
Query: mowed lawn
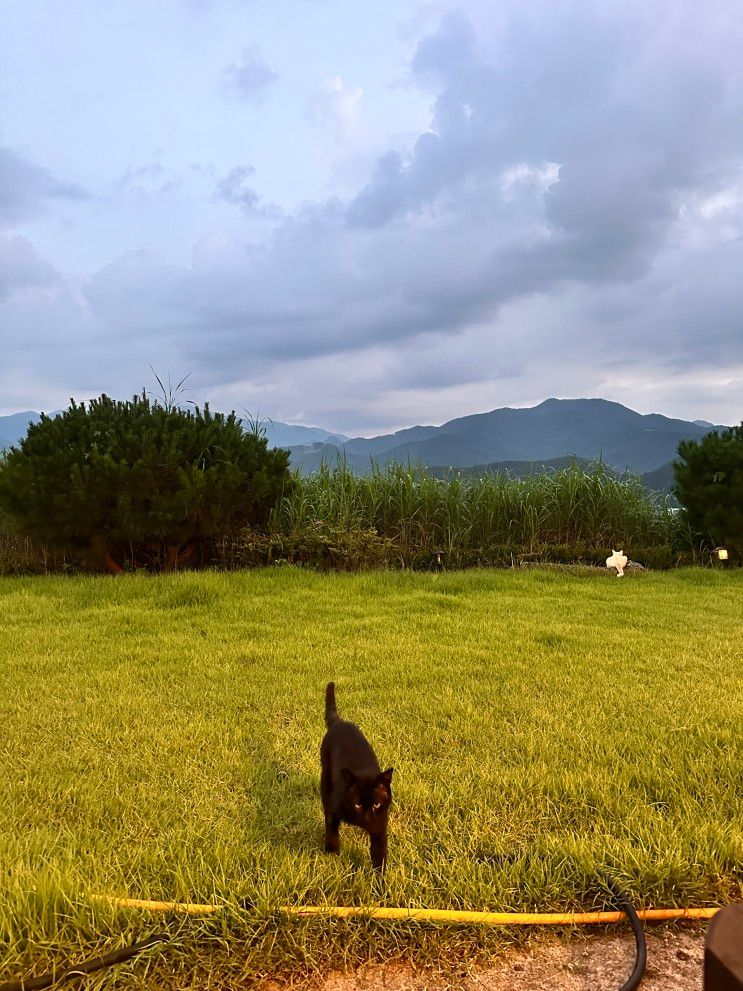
(547, 729)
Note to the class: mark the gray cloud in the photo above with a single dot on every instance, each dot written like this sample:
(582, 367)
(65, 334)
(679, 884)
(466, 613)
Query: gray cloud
(250, 76)
(25, 189)
(21, 267)
(233, 189)
(570, 222)
(152, 178)
(632, 130)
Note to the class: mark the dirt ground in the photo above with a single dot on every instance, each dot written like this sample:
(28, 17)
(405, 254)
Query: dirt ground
(583, 963)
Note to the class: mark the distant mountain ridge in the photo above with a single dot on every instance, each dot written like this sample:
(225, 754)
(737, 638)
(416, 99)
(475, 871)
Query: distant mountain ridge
(557, 428)
(293, 434)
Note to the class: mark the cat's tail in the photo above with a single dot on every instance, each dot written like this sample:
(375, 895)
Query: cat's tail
(331, 713)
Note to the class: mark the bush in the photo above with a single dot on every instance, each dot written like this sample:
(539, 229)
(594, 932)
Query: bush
(327, 548)
(709, 485)
(652, 557)
(22, 556)
(314, 546)
(137, 483)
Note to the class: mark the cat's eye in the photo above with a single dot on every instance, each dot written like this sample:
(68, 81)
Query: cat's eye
(357, 806)
(376, 807)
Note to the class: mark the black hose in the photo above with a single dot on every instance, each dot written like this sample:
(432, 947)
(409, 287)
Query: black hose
(641, 952)
(86, 967)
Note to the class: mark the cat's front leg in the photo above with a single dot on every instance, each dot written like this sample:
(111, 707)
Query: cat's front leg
(332, 835)
(379, 851)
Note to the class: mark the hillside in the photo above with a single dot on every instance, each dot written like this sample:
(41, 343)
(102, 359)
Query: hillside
(662, 479)
(557, 428)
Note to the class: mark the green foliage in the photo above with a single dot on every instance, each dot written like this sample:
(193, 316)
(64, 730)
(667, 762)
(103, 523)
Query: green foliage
(709, 485)
(570, 515)
(138, 482)
(327, 548)
(20, 555)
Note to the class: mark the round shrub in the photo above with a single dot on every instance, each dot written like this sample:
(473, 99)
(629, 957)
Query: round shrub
(139, 483)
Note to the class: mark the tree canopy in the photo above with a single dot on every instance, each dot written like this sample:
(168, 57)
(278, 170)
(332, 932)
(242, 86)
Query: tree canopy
(140, 481)
(709, 485)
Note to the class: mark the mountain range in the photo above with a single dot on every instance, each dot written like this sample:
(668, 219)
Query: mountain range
(520, 440)
(586, 429)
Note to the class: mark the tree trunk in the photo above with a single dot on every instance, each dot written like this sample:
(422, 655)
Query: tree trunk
(101, 557)
(174, 556)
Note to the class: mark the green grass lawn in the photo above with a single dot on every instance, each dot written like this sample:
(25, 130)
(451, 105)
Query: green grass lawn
(161, 735)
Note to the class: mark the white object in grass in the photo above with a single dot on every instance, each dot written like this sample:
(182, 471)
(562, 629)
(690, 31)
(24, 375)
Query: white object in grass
(617, 560)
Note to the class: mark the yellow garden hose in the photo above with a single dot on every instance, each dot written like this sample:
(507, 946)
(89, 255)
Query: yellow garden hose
(428, 914)
(376, 912)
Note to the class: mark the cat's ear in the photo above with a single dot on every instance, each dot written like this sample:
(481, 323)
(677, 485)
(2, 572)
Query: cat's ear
(386, 776)
(349, 778)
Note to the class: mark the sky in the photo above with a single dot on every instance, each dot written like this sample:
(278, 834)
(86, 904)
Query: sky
(365, 216)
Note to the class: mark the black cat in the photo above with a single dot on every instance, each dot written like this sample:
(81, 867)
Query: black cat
(353, 788)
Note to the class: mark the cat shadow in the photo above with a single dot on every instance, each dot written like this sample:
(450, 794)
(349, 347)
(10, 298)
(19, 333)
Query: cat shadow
(285, 809)
(287, 813)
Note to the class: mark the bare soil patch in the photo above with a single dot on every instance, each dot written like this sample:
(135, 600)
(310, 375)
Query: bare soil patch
(583, 963)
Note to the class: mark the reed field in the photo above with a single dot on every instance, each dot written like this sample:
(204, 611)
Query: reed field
(547, 728)
(419, 510)
(399, 516)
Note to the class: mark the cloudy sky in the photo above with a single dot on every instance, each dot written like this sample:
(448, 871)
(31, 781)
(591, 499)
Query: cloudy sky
(363, 216)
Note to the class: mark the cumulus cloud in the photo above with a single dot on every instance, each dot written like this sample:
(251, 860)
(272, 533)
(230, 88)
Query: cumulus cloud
(628, 134)
(570, 222)
(249, 77)
(25, 189)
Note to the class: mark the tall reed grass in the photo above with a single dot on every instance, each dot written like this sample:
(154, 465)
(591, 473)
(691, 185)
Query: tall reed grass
(470, 519)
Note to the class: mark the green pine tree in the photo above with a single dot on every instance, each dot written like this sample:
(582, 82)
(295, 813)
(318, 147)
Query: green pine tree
(709, 485)
(154, 484)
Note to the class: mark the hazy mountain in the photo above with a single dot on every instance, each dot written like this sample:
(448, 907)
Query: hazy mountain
(309, 457)
(14, 427)
(366, 446)
(661, 479)
(291, 434)
(556, 428)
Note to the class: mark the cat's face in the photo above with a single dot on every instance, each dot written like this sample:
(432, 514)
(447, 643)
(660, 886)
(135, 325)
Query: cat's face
(368, 799)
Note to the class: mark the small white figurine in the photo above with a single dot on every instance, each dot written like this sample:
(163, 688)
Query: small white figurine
(617, 560)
